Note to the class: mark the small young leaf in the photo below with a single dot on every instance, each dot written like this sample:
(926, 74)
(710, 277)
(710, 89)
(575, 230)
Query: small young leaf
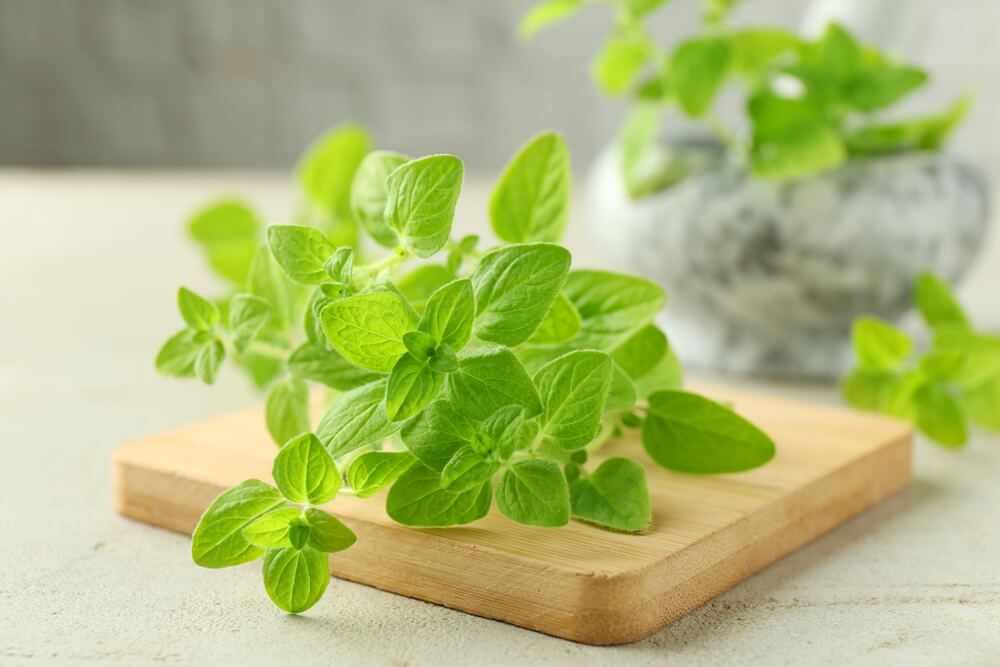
(327, 533)
(444, 360)
(467, 469)
(417, 499)
(295, 579)
(614, 496)
(490, 380)
(753, 49)
(940, 417)
(229, 232)
(373, 471)
(883, 86)
(878, 345)
(531, 199)
(618, 63)
(697, 69)
(515, 287)
(356, 419)
(247, 316)
(412, 386)
(421, 202)
(791, 139)
(209, 361)
(179, 354)
(198, 312)
(547, 13)
(369, 194)
(689, 433)
(449, 314)
(560, 324)
(924, 133)
(612, 306)
(327, 168)
(315, 362)
(268, 281)
(368, 329)
(938, 304)
(506, 431)
(301, 252)
(304, 471)
(218, 539)
(868, 389)
(573, 390)
(437, 433)
(420, 345)
(534, 492)
(287, 410)
(271, 529)
(340, 265)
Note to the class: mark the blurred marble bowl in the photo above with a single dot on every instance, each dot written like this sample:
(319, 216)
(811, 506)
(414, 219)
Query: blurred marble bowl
(765, 278)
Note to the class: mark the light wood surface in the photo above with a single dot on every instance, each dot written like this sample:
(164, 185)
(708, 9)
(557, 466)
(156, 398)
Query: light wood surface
(579, 582)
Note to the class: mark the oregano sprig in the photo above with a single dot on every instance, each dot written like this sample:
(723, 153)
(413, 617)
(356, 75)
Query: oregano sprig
(458, 377)
(939, 387)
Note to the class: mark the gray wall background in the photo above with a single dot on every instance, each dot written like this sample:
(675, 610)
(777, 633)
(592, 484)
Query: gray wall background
(248, 82)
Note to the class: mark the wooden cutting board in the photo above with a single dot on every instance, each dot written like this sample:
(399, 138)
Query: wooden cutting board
(578, 582)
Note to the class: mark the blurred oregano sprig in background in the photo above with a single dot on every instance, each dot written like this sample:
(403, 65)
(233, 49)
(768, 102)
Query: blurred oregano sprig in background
(810, 104)
(456, 377)
(941, 388)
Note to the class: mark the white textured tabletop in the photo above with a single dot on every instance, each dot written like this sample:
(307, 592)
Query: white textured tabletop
(89, 265)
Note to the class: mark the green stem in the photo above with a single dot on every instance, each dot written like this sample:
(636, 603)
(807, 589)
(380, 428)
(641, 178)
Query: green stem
(372, 270)
(262, 349)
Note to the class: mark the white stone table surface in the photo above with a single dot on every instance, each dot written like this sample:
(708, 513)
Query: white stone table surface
(89, 265)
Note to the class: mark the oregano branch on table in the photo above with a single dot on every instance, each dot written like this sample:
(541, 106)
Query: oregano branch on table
(953, 380)
(457, 377)
(810, 104)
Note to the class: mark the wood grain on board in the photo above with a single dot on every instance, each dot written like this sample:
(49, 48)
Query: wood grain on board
(578, 582)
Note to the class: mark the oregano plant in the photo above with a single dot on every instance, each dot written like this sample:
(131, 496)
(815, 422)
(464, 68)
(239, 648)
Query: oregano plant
(458, 377)
(811, 104)
(940, 387)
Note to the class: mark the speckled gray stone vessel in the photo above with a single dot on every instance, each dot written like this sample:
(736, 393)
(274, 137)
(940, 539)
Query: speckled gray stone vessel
(765, 278)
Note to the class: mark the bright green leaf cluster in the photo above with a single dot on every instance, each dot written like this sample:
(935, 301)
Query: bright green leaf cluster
(469, 378)
(939, 389)
(810, 104)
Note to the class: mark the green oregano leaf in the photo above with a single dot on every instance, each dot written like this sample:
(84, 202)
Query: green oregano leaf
(531, 199)
(198, 312)
(271, 529)
(305, 472)
(696, 71)
(641, 352)
(418, 499)
(412, 386)
(614, 496)
(937, 303)
(449, 313)
(178, 355)
(515, 287)
(327, 168)
(228, 232)
(547, 13)
(534, 492)
(302, 252)
(218, 539)
(434, 435)
(356, 419)
(490, 380)
(295, 579)
(622, 393)
(573, 390)
(618, 63)
(560, 325)
(373, 471)
(209, 361)
(327, 533)
(421, 200)
(368, 329)
(420, 345)
(689, 433)
(940, 416)
(444, 360)
(878, 345)
(248, 315)
(506, 431)
(287, 410)
(466, 469)
(369, 194)
(315, 362)
(612, 306)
